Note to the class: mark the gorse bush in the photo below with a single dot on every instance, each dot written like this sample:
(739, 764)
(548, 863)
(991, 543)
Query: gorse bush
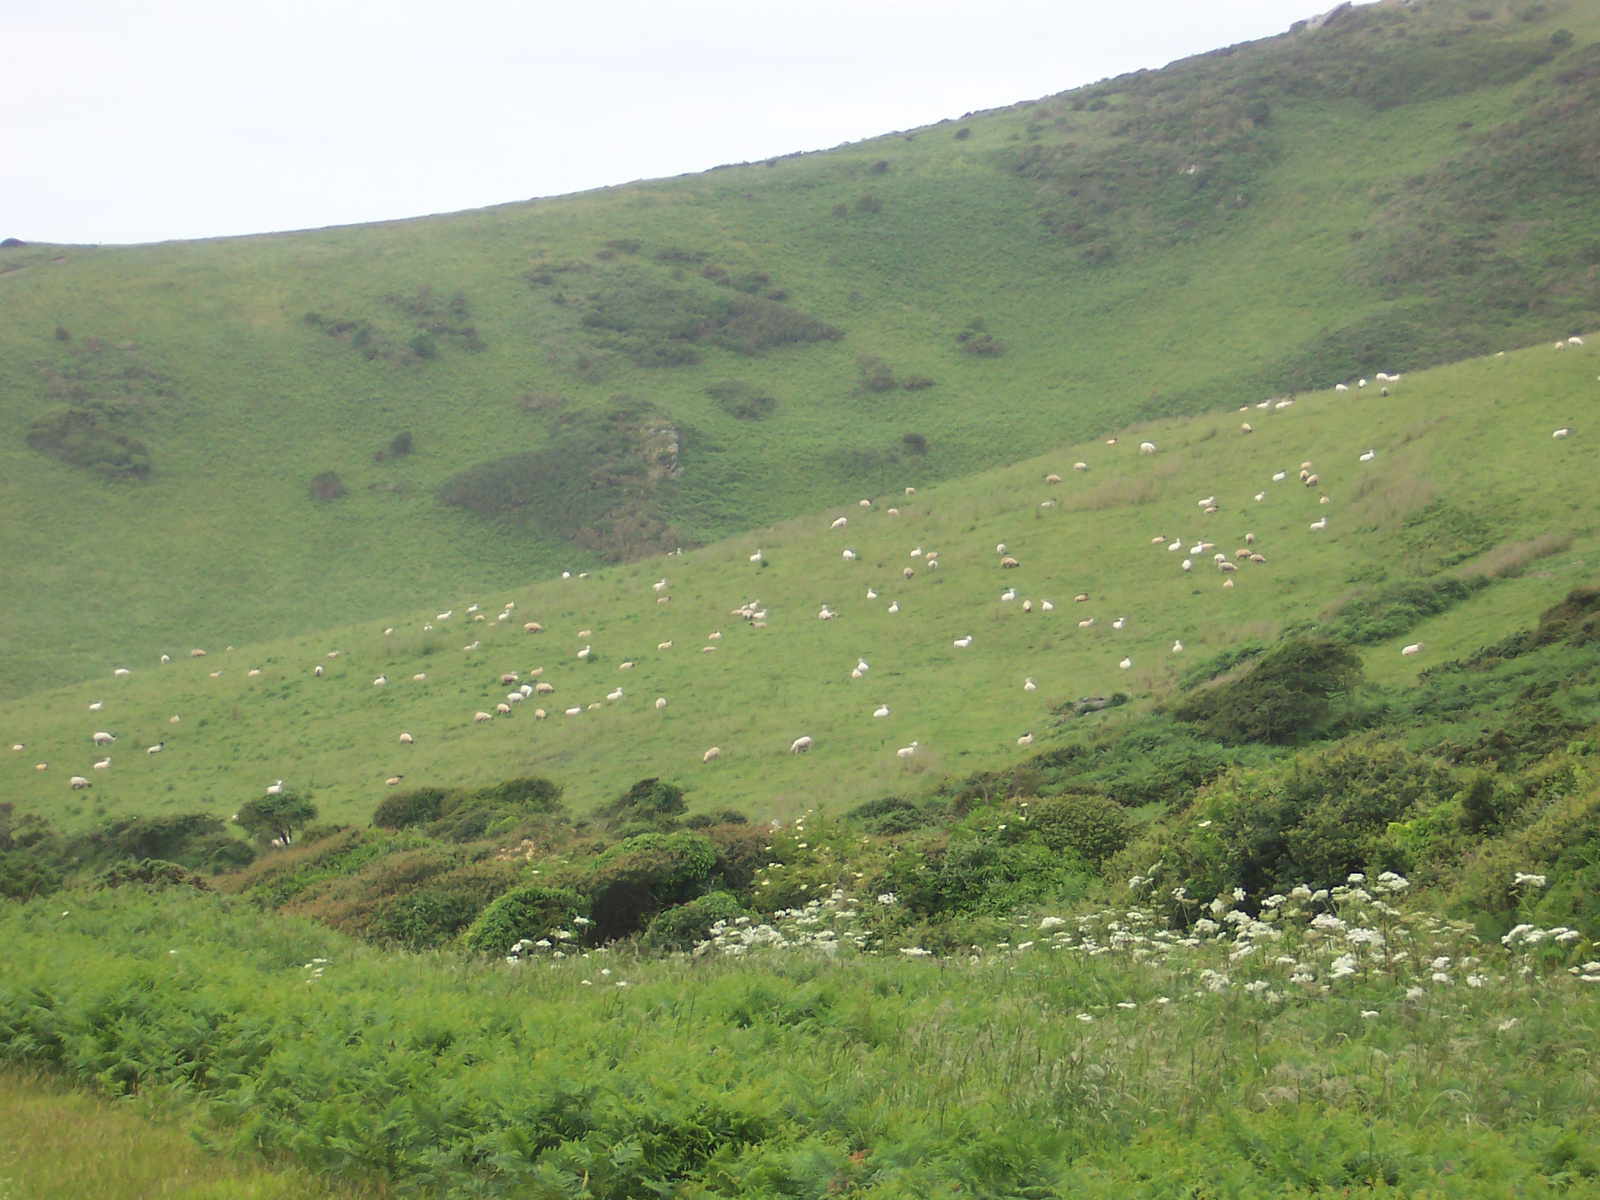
(529, 912)
(97, 436)
(1284, 694)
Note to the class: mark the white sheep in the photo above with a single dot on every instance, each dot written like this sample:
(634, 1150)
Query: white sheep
(894, 512)
(1207, 501)
(661, 701)
(533, 627)
(1188, 565)
(864, 503)
(503, 710)
(78, 781)
(659, 585)
(894, 606)
(97, 706)
(871, 595)
(1245, 428)
(121, 672)
(1414, 648)
(614, 696)
(515, 697)
(1177, 647)
(469, 649)
(840, 523)
(1563, 432)
(103, 764)
(881, 711)
(481, 717)
(911, 491)
(1174, 546)
(1319, 525)
(861, 665)
(576, 711)
(379, 681)
(405, 739)
(800, 745)
(1027, 606)
(1280, 477)
(712, 754)
(1028, 685)
(157, 748)
(1009, 594)
(1077, 466)
(849, 556)
(961, 643)
(539, 714)
(102, 738)
(41, 766)
(1047, 606)
(907, 751)
(1119, 624)
(445, 616)
(1339, 387)
(1260, 496)
(1126, 664)
(1025, 740)
(826, 614)
(586, 652)
(1147, 447)
(1574, 341)
(544, 689)
(165, 659)
(1089, 624)
(174, 719)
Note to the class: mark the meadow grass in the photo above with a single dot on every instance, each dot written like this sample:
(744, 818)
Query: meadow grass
(1202, 307)
(1468, 475)
(60, 1143)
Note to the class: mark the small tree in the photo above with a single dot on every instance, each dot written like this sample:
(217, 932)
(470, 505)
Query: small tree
(275, 818)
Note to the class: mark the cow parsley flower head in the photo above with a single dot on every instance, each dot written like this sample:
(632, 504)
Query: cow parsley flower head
(1524, 879)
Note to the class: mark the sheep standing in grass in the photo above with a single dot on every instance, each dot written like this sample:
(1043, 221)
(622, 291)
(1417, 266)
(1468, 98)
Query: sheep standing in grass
(800, 745)
(712, 754)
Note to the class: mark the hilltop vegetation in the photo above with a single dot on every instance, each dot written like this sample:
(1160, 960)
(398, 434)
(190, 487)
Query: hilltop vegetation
(1403, 186)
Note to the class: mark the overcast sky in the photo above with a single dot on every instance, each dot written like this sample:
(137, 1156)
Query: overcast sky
(133, 122)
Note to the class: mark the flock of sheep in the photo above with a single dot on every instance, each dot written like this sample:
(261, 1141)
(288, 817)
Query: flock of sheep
(755, 615)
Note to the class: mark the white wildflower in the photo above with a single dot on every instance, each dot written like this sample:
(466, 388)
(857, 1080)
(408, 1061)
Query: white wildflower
(915, 952)
(1085, 1018)
(1508, 1025)
(1369, 1014)
(1525, 880)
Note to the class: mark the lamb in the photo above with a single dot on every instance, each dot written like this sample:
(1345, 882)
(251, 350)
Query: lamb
(1175, 545)
(103, 738)
(78, 781)
(1209, 500)
(1562, 433)
(800, 745)
(445, 616)
(894, 512)
(1318, 526)
(1227, 583)
(712, 754)
(1025, 740)
(708, 649)
(1256, 558)
(861, 665)
(881, 711)
(849, 556)
(961, 643)
(405, 739)
(907, 751)
(1119, 624)
(481, 717)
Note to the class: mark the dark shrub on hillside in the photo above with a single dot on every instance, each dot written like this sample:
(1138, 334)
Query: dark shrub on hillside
(741, 852)
(1287, 693)
(63, 334)
(1575, 621)
(890, 815)
(434, 913)
(639, 877)
(841, 210)
(963, 133)
(624, 245)
(743, 401)
(150, 872)
(1398, 609)
(94, 435)
(988, 874)
(680, 256)
(531, 911)
(197, 841)
(685, 925)
(875, 373)
(984, 345)
(23, 875)
(914, 443)
(275, 818)
(916, 383)
(869, 204)
(326, 486)
(648, 798)
(400, 444)
(415, 807)
(726, 816)
(1089, 826)
(881, 167)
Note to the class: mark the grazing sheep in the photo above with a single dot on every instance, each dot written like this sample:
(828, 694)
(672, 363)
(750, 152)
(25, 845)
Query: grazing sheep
(1256, 558)
(1027, 606)
(503, 710)
(864, 503)
(405, 739)
(1227, 582)
(800, 745)
(173, 720)
(1052, 478)
(1147, 447)
(103, 738)
(1025, 740)
(961, 643)
(18, 746)
(894, 512)
(933, 563)
(849, 556)
(826, 614)
(585, 652)
(1318, 526)
(78, 781)
(1562, 433)
(1226, 566)
(253, 672)
(1339, 387)
(840, 523)
(1249, 539)
(157, 748)
(1282, 404)
(1574, 341)
(1241, 554)
(614, 696)
(533, 627)
(508, 677)
(41, 766)
(525, 690)
(1361, 383)
(1089, 624)
(1028, 685)
(911, 491)
(1008, 595)
(576, 711)
(1077, 466)
(544, 689)
(894, 607)
(1245, 428)
(1119, 624)
(121, 672)
(197, 653)
(1414, 648)
(515, 697)
(1009, 564)
(757, 556)
(470, 648)
(1311, 481)
(712, 754)
(165, 659)
(481, 717)
(539, 714)
(1126, 664)
(661, 701)
(881, 711)
(1177, 647)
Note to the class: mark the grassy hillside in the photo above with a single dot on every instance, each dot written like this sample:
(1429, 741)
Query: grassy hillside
(603, 376)
(1469, 511)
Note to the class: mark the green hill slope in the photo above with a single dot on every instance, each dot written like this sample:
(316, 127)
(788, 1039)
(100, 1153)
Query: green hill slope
(604, 376)
(1466, 482)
